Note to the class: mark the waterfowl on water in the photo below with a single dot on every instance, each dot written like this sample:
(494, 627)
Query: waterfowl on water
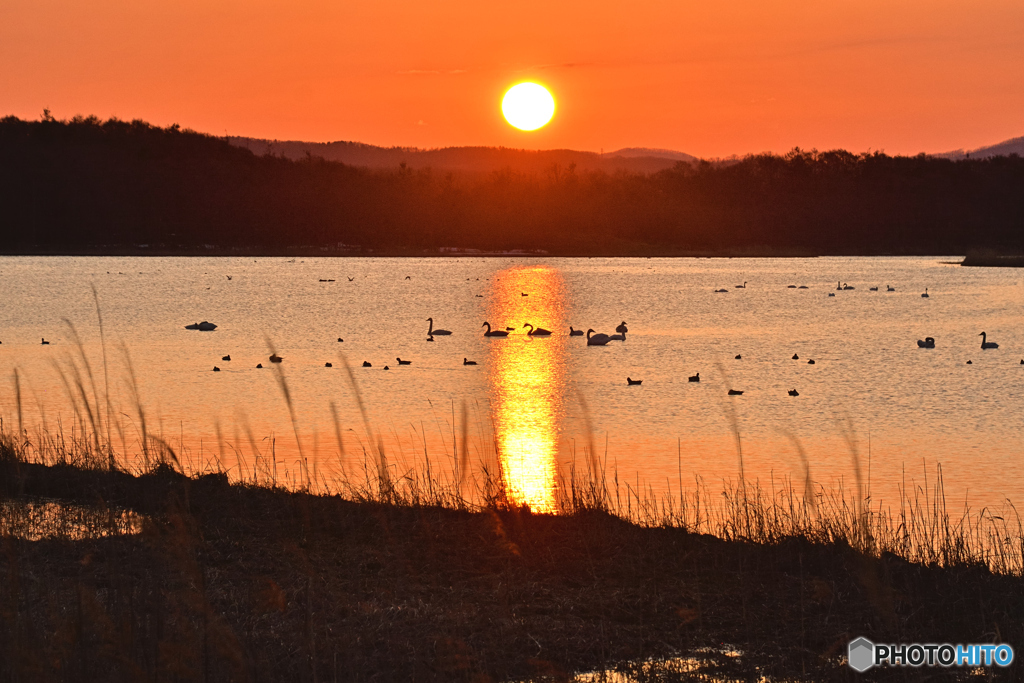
(538, 332)
(872, 289)
(403, 362)
(204, 326)
(259, 365)
(969, 363)
(831, 293)
(328, 365)
(432, 331)
(575, 333)
(890, 288)
(846, 286)
(350, 279)
(721, 291)
(493, 333)
(735, 392)
(599, 339)
(367, 364)
(926, 343)
(634, 382)
(227, 357)
(802, 287)
(743, 286)
(622, 329)
(790, 286)
(386, 367)
(987, 344)
(466, 361)
(216, 369)
(695, 378)
(925, 295)
(810, 362)
(430, 338)
(794, 392)
(45, 343)
(340, 339)
(796, 357)
(739, 357)
(274, 358)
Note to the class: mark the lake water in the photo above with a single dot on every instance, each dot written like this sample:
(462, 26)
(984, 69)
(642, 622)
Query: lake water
(537, 404)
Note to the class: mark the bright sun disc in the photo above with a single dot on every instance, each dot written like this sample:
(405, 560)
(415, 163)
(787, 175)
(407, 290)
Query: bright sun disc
(528, 106)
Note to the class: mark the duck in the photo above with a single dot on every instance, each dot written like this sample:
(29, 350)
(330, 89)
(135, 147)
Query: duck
(216, 369)
(872, 289)
(575, 333)
(466, 361)
(890, 288)
(599, 339)
(790, 286)
(695, 378)
(735, 392)
(970, 363)
(538, 332)
(925, 295)
(259, 366)
(831, 293)
(367, 364)
(328, 365)
(274, 358)
(743, 286)
(386, 367)
(985, 344)
(796, 357)
(794, 392)
(622, 329)
(739, 356)
(803, 287)
(403, 362)
(926, 343)
(432, 331)
(44, 343)
(633, 382)
(721, 291)
(810, 362)
(340, 339)
(227, 357)
(493, 333)
(204, 326)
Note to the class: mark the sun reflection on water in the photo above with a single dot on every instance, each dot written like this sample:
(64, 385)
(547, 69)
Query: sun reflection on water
(527, 381)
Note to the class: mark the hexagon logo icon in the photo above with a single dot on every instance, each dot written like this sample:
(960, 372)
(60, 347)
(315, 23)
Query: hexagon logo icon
(861, 654)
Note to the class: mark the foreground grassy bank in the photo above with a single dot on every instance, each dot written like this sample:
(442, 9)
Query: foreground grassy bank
(194, 578)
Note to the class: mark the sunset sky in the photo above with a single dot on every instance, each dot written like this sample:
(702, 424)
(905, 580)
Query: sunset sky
(708, 78)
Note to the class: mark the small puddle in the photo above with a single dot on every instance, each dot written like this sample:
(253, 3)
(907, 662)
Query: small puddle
(40, 519)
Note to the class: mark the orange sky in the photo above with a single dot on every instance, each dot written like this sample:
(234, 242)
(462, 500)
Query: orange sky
(712, 78)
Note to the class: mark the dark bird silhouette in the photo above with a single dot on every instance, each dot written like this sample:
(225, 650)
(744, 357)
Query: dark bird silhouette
(846, 286)
(735, 392)
(216, 369)
(538, 332)
(227, 357)
(575, 333)
(790, 286)
(466, 361)
(796, 357)
(430, 338)
(599, 339)
(386, 367)
(810, 362)
(432, 331)
(802, 287)
(367, 364)
(695, 378)
(525, 294)
(634, 382)
(987, 344)
(259, 365)
(621, 329)
(44, 341)
(739, 357)
(328, 365)
(794, 392)
(403, 362)
(721, 291)
(831, 293)
(890, 288)
(872, 289)
(274, 358)
(493, 333)
(925, 295)
(408, 277)
(340, 339)
(969, 363)
(926, 343)
(743, 286)
(350, 279)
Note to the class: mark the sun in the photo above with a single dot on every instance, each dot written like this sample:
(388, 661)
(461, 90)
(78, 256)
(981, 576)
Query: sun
(528, 106)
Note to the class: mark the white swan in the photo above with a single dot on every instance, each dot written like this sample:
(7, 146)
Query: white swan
(432, 331)
(599, 339)
(539, 332)
(493, 333)
(987, 344)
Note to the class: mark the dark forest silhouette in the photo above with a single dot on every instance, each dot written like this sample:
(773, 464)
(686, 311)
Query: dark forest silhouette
(91, 186)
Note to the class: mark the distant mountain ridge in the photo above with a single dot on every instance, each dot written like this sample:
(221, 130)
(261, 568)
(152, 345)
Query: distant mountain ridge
(1001, 149)
(471, 159)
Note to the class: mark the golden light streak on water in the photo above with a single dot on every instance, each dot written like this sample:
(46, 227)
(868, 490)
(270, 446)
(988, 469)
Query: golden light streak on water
(527, 381)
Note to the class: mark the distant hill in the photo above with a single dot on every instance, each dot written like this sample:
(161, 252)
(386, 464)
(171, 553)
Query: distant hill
(473, 159)
(1002, 149)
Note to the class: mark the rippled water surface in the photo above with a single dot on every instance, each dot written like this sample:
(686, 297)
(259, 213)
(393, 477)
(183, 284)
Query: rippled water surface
(534, 405)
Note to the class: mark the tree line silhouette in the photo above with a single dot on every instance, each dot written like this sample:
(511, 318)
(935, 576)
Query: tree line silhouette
(86, 186)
